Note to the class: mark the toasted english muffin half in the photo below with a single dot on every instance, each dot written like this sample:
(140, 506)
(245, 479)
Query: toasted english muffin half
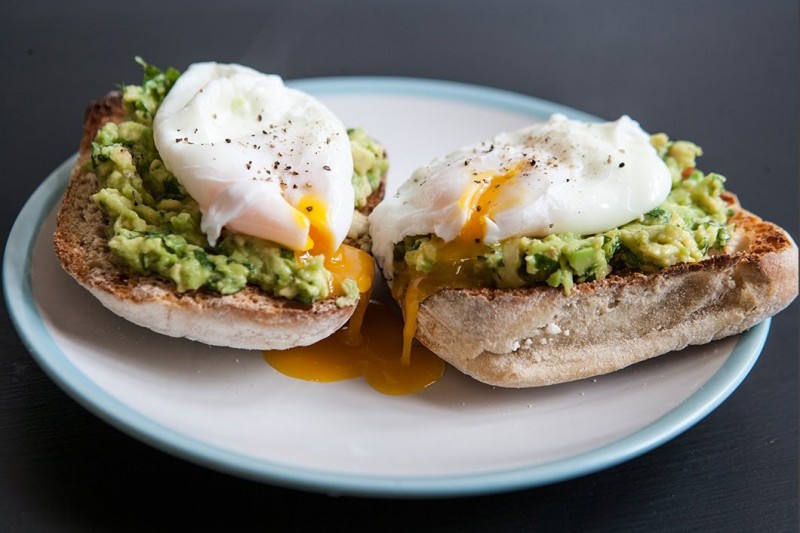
(248, 319)
(538, 336)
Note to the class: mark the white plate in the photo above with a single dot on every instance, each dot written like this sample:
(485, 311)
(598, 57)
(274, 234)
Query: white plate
(230, 411)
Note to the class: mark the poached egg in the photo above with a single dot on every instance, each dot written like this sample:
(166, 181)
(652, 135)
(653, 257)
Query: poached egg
(560, 176)
(258, 157)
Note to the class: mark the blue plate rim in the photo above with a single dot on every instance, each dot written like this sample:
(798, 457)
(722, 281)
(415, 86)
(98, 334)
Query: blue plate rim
(28, 322)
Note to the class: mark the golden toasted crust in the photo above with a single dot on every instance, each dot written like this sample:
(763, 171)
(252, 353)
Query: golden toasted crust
(249, 319)
(538, 336)
(375, 198)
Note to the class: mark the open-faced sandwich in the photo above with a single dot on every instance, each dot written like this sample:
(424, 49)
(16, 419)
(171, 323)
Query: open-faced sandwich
(566, 250)
(221, 206)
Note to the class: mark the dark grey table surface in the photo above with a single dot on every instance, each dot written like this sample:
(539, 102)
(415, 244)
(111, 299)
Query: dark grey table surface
(724, 74)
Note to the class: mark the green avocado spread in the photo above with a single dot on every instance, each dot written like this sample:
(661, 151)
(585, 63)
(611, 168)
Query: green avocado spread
(690, 223)
(154, 225)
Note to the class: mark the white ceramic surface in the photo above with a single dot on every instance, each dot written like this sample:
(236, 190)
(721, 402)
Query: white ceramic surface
(229, 410)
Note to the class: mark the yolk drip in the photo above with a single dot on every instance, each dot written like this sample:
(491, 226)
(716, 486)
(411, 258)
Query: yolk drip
(413, 289)
(367, 346)
(320, 235)
(480, 200)
(353, 263)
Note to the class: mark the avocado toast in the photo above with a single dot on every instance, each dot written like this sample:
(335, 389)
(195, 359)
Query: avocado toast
(169, 280)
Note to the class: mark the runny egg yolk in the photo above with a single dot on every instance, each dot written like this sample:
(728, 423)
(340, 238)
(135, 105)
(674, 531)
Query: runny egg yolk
(480, 200)
(367, 346)
(320, 236)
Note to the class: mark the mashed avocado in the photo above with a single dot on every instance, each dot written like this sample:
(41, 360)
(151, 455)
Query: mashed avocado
(154, 225)
(369, 164)
(691, 222)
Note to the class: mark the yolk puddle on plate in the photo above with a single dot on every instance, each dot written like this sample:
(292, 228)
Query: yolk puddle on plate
(375, 356)
(370, 345)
